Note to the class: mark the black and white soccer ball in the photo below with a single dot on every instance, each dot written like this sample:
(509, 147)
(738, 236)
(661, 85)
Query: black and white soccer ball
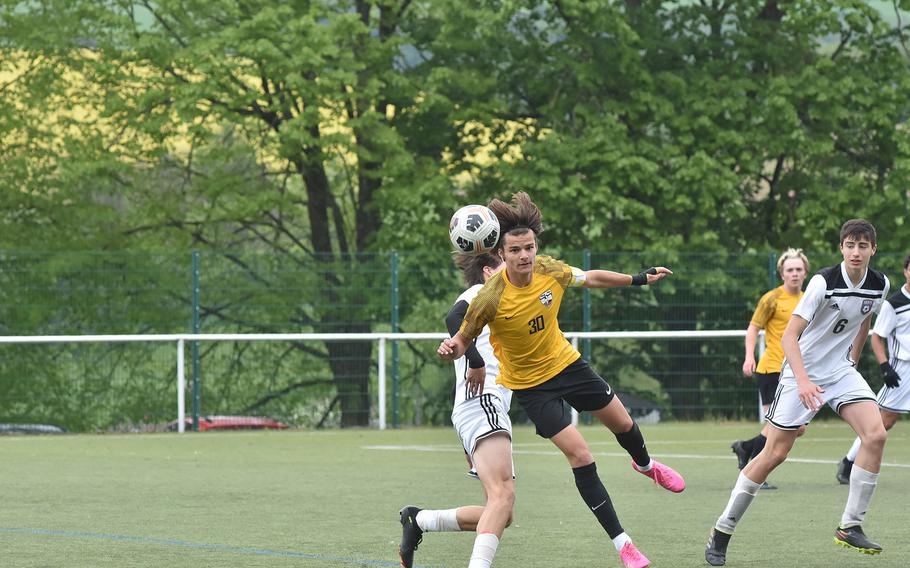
(474, 229)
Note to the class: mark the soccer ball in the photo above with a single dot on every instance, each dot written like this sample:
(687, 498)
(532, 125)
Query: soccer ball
(474, 229)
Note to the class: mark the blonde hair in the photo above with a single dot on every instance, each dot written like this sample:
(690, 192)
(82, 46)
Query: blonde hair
(789, 254)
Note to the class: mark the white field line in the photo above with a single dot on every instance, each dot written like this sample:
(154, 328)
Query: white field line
(520, 452)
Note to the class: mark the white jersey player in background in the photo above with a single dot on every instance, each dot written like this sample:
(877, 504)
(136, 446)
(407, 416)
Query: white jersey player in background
(480, 416)
(891, 326)
(822, 343)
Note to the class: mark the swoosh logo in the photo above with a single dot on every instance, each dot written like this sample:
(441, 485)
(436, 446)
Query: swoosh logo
(609, 389)
(508, 317)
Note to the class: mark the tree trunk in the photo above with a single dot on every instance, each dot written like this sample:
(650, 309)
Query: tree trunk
(351, 362)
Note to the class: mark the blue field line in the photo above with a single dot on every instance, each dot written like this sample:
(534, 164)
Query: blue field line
(197, 545)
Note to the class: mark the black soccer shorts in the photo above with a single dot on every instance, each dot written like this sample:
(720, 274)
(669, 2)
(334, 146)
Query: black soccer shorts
(578, 385)
(767, 386)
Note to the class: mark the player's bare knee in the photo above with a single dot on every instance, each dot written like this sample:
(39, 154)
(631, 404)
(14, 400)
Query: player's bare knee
(775, 456)
(580, 457)
(501, 497)
(876, 438)
(622, 425)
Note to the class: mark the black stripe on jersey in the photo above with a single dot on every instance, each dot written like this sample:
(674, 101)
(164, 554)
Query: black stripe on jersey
(902, 310)
(467, 387)
(899, 300)
(834, 279)
(854, 295)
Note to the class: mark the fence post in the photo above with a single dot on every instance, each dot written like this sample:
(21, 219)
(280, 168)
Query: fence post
(195, 345)
(396, 390)
(181, 388)
(586, 306)
(380, 377)
(585, 325)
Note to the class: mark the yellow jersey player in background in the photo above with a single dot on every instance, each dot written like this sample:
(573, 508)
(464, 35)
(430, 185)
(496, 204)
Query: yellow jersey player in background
(771, 314)
(521, 306)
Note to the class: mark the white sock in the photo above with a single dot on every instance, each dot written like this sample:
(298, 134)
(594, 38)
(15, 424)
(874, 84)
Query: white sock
(621, 540)
(740, 498)
(645, 468)
(854, 449)
(862, 486)
(443, 520)
(484, 550)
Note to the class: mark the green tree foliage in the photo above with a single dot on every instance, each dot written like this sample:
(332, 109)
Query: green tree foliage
(707, 125)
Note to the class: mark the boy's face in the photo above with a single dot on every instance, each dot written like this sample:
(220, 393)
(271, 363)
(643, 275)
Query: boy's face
(793, 272)
(519, 252)
(857, 252)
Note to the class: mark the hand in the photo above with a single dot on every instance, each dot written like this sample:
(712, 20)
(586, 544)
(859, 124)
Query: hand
(649, 276)
(475, 379)
(810, 394)
(447, 350)
(659, 272)
(749, 367)
(889, 375)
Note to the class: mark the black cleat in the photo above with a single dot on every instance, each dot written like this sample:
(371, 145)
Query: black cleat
(411, 535)
(741, 454)
(855, 538)
(844, 467)
(716, 549)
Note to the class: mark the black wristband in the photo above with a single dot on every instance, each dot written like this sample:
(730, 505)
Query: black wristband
(641, 279)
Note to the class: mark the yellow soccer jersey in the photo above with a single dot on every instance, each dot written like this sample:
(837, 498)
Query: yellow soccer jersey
(524, 330)
(772, 314)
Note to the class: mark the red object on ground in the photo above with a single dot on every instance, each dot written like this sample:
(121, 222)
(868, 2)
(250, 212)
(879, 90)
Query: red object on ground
(232, 423)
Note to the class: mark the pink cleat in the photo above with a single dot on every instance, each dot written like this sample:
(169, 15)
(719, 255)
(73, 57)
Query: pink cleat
(663, 475)
(632, 558)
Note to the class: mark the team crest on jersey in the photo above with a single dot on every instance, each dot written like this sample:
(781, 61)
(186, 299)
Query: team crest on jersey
(866, 307)
(547, 298)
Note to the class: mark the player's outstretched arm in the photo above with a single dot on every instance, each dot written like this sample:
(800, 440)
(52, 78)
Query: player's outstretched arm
(610, 279)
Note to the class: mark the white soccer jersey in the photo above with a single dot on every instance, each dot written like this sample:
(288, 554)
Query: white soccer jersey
(893, 325)
(835, 309)
(486, 351)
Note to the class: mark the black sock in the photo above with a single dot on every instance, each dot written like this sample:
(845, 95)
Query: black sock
(634, 443)
(748, 445)
(758, 445)
(595, 495)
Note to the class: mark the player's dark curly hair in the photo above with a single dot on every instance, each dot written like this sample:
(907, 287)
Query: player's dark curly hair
(517, 217)
(472, 266)
(858, 229)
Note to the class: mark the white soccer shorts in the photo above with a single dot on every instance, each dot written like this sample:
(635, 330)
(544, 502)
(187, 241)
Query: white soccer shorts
(480, 417)
(897, 399)
(788, 413)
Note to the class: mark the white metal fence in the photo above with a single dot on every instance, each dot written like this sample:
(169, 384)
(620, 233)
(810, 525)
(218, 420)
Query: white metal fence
(179, 340)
